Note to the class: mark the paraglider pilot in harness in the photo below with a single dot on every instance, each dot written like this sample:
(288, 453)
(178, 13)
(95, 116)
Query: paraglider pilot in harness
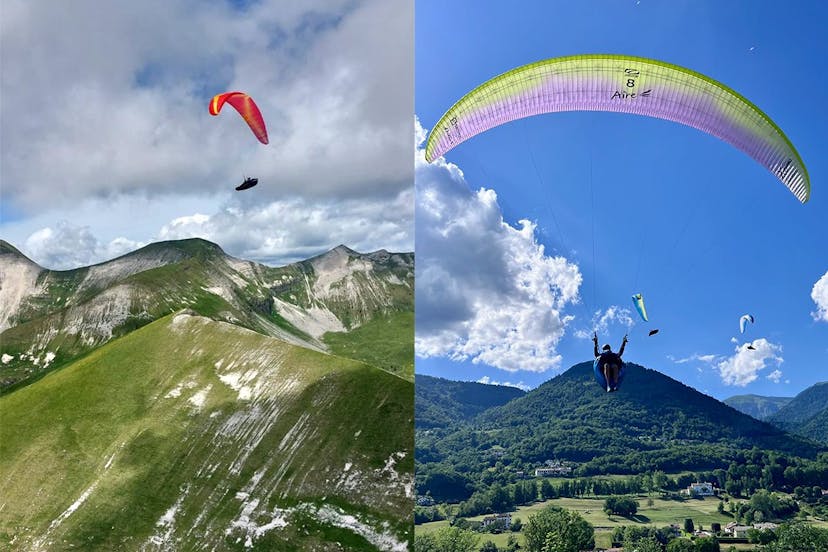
(609, 362)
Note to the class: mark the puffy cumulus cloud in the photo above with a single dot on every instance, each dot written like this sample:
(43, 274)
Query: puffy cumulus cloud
(68, 246)
(489, 381)
(744, 366)
(294, 229)
(486, 291)
(603, 320)
(106, 99)
(274, 233)
(819, 294)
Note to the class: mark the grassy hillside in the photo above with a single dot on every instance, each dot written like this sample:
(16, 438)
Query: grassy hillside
(197, 435)
(386, 342)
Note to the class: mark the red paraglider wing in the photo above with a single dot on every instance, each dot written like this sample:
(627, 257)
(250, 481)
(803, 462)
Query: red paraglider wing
(246, 107)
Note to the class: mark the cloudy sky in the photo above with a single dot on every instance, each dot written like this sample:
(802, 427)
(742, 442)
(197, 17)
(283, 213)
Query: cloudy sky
(107, 143)
(534, 234)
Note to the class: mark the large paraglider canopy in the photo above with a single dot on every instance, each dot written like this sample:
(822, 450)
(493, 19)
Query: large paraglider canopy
(246, 107)
(627, 84)
(743, 321)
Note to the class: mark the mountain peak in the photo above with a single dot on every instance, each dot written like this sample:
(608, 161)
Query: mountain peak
(9, 251)
(189, 247)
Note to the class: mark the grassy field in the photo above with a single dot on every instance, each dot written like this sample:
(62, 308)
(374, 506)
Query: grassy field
(662, 512)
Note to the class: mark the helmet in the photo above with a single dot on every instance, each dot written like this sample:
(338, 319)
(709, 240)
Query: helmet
(607, 347)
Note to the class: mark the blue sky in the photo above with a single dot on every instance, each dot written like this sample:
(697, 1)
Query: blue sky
(703, 231)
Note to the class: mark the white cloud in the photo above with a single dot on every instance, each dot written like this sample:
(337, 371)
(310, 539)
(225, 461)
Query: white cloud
(602, 320)
(775, 376)
(743, 367)
(707, 359)
(68, 246)
(275, 233)
(117, 138)
(103, 101)
(486, 291)
(294, 229)
(819, 294)
(520, 385)
(105, 124)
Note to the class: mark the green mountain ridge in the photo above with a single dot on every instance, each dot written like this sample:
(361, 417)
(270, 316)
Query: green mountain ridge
(48, 318)
(757, 406)
(441, 402)
(806, 414)
(652, 423)
(193, 434)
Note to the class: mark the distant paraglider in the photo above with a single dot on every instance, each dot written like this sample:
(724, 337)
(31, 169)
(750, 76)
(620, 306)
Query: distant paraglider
(652, 332)
(638, 301)
(246, 107)
(248, 183)
(743, 321)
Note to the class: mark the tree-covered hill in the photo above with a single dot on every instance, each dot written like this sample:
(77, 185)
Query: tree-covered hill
(652, 423)
(441, 402)
(806, 414)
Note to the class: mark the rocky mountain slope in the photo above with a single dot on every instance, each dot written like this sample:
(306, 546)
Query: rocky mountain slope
(50, 317)
(757, 406)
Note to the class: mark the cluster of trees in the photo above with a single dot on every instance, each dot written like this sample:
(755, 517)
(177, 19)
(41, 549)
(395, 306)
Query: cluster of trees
(747, 472)
(557, 530)
(426, 514)
(620, 506)
(798, 537)
(652, 539)
(814, 500)
(764, 506)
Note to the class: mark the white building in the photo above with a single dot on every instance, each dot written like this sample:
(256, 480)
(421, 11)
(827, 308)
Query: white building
(505, 519)
(700, 489)
(553, 472)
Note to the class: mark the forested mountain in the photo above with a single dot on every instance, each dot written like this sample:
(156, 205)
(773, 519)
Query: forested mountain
(806, 414)
(441, 402)
(652, 423)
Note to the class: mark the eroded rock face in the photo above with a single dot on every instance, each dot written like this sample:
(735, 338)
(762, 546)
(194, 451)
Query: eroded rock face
(65, 313)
